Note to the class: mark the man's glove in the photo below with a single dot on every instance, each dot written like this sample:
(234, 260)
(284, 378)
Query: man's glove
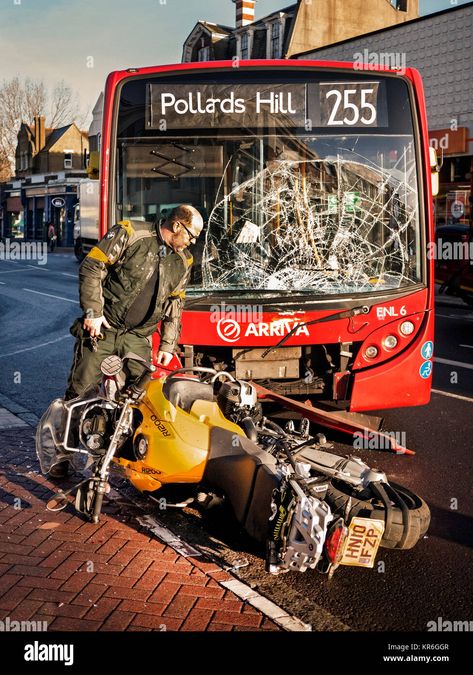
(94, 325)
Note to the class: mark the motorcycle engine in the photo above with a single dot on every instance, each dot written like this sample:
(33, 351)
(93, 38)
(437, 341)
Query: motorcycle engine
(94, 428)
(238, 400)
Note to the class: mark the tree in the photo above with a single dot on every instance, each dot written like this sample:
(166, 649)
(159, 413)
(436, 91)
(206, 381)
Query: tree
(5, 171)
(21, 101)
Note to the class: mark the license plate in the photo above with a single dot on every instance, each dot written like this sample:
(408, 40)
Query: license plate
(362, 542)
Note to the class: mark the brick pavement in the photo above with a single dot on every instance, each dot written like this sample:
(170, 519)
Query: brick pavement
(114, 576)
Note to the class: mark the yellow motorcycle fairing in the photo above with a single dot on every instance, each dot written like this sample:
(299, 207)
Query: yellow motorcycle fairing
(178, 441)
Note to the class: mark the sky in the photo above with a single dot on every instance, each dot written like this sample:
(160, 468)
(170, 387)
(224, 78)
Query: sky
(81, 41)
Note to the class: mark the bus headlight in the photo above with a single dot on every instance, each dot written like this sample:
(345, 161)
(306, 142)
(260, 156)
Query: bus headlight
(407, 328)
(390, 342)
(371, 352)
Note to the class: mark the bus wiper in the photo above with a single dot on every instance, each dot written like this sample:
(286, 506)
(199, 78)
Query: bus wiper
(346, 314)
(170, 160)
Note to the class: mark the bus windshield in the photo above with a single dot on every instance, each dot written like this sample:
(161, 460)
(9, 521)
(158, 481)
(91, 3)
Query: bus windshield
(307, 187)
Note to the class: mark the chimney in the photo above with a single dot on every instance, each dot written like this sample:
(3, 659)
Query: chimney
(245, 12)
(39, 133)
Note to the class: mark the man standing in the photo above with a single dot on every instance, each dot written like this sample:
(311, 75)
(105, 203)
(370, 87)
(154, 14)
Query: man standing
(134, 278)
(52, 237)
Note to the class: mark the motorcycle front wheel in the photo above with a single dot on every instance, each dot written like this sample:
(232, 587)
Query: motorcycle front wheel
(406, 515)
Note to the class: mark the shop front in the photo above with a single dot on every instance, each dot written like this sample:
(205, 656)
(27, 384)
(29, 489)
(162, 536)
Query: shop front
(46, 205)
(14, 221)
(453, 205)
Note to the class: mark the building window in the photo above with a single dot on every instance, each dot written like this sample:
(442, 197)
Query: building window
(68, 159)
(203, 54)
(244, 46)
(275, 41)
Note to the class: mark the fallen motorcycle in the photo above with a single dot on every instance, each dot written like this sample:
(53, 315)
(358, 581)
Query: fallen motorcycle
(203, 432)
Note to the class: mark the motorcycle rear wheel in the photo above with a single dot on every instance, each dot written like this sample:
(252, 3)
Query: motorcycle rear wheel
(404, 530)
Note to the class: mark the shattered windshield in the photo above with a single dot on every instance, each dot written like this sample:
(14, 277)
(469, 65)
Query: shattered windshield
(320, 215)
(287, 209)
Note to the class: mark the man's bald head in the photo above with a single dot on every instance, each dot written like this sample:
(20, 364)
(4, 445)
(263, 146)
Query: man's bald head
(187, 214)
(182, 227)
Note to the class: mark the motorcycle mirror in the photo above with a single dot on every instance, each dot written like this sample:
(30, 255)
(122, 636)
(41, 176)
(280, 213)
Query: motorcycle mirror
(111, 365)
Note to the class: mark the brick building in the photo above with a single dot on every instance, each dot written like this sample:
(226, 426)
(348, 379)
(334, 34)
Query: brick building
(302, 25)
(49, 165)
(44, 150)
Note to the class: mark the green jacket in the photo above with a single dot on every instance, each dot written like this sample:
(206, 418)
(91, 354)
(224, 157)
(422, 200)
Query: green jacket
(117, 269)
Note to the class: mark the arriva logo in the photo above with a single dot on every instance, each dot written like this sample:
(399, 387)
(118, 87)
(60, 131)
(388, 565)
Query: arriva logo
(230, 330)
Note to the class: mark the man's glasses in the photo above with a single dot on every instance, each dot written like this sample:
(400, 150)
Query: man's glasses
(192, 237)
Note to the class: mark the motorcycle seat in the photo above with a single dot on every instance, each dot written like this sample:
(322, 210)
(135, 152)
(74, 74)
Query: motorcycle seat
(182, 392)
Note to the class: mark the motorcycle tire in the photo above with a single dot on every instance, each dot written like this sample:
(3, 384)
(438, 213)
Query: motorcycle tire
(404, 531)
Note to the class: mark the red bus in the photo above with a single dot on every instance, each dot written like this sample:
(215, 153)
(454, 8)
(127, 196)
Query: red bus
(314, 182)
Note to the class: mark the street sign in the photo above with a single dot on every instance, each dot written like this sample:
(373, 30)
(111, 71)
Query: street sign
(58, 202)
(457, 208)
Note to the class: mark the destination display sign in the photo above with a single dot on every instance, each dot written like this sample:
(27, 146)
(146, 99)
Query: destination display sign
(231, 106)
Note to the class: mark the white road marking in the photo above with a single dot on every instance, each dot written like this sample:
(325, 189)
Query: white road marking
(58, 297)
(166, 535)
(3, 283)
(265, 606)
(10, 421)
(460, 364)
(42, 268)
(239, 588)
(18, 269)
(447, 393)
(469, 346)
(29, 349)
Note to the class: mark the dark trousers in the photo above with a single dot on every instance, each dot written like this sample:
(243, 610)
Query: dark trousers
(85, 370)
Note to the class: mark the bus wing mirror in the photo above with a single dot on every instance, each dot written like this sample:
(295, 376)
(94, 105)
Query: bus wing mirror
(434, 169)
(93, 165)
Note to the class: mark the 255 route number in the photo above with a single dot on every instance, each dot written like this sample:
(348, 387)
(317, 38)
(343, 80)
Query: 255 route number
(353, 104)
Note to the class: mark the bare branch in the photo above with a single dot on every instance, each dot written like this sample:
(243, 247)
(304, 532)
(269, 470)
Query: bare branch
(21, 101)
(64, 106)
